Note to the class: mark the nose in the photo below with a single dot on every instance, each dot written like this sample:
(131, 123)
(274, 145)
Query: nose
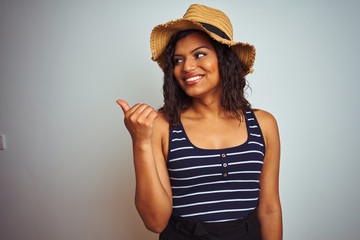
(189, 65)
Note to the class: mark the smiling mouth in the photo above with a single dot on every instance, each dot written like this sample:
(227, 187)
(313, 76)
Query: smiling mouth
(193, 80)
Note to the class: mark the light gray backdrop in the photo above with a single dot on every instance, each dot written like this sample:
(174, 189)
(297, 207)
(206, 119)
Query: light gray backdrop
(67, 172)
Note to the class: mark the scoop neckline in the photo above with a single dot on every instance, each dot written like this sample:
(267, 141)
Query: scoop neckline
(219, 149)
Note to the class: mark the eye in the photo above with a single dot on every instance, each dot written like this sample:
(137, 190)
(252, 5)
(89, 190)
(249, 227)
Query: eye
(177, 61)
(200, 54)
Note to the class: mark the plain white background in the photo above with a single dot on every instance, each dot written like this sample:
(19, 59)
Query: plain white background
(67, 172)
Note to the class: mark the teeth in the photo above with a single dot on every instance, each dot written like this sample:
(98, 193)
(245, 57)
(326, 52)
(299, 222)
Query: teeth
(193, 78)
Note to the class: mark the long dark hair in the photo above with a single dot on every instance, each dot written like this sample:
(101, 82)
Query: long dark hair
(232, 81)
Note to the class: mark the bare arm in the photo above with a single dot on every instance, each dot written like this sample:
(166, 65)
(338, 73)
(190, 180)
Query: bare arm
(269, 210)
(153, 192)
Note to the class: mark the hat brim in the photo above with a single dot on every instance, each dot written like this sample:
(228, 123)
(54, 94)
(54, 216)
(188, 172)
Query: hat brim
(162, 33)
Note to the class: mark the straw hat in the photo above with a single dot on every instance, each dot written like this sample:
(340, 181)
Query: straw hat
(210, 20)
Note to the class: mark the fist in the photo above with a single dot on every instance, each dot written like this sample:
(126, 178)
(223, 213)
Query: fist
(138, 120)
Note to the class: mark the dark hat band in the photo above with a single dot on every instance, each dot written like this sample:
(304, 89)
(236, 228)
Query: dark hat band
(215, 30)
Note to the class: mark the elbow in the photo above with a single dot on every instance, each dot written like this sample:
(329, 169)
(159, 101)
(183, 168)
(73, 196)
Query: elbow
(269, 209)
(155, 227)
(154, 221)
(156, 224)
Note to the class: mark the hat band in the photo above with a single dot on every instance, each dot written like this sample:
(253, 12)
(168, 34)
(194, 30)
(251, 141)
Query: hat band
(215, 30)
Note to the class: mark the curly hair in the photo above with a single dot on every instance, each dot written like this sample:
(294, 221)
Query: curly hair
(232, 82)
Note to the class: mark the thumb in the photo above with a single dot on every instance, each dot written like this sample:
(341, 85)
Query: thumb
(124, 105)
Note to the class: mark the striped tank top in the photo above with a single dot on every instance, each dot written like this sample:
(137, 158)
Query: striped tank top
(215, 185)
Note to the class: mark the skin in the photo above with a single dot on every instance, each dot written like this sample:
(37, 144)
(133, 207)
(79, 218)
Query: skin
(205, 123)
(153, 197)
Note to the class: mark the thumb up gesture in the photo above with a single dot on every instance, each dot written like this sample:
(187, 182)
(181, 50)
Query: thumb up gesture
(138, 120)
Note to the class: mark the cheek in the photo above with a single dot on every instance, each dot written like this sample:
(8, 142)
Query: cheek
(212, 65)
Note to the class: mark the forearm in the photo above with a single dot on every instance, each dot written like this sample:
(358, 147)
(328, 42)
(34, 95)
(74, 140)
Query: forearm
(271, 224)
(151, 199)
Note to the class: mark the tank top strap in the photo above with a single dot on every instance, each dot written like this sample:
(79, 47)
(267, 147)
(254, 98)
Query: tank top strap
(255, 135)
(178, 139)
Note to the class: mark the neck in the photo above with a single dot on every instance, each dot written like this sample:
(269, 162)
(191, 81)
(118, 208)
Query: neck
(208, 109)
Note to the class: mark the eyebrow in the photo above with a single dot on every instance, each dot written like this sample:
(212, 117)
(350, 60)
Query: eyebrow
(192, 50)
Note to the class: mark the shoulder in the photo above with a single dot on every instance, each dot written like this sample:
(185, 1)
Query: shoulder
(161, 122)
(267, 122)
(264, 117)
(161, 132)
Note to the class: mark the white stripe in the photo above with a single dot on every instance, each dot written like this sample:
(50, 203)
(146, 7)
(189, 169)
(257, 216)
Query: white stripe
(245, 162)
(200, 176)
(251, 119)
(178, 139)
(256, 143)
(191, 157)
(218, 201)
(180, 148)
(196, 167)
(244, 172)
(248, 112)
(253, 126)
(250, 151)
(217, 191)
(209, 183)
(218, 211)
(225, 220)
(256, 135)
(177, 131)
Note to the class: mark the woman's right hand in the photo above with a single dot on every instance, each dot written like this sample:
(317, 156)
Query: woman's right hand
(139, 121)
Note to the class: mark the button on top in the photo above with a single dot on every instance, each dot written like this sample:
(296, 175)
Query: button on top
(223, 155)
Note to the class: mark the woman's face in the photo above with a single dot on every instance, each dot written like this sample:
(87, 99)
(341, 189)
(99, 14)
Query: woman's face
(196, 66)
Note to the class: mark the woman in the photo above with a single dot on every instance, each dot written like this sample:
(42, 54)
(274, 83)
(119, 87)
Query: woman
(201, 161)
